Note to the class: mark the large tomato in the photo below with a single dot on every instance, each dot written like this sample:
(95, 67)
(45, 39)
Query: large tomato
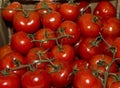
(10, 10)
(9, 81)
(36, 79)
(89, 25)
(27, 21)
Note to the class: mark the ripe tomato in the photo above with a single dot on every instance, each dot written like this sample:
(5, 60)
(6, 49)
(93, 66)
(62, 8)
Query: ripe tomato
(10, 81)
(105, 9)
(43, 38)
(69, 28)
(111, 27)
(36, 79)
(20, 42)
(52, 20)
(100, 62)
(27, 21)
(66, 53)
(11, 61)
(61, 74)
(85, 79)
(9, 11)
(5, 50)
(90, 25)
(87, 49)
(69, 11)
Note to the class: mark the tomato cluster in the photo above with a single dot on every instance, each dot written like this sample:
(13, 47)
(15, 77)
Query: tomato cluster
(61, 45)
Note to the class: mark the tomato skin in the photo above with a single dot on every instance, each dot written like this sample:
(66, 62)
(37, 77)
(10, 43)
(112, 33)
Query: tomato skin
(52, 20)
(9, 11)
(69, 11)
(10, 81)
(105, 9)
(7, 62)
(40, 35)
(28, 23)
(36, 79)
(21, 43)
(87, 50)
(61, 77)
(70, 28)
(89, 25)
(66, 54)
(85, 79)
(111, 27)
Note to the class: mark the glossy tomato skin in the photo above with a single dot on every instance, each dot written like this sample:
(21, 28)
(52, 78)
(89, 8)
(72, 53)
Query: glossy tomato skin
(21, 43)
(87, 50)
(69, 28)
(111, 27)
(45, 34)
(36, 79)
(9, 11)
(10, 81)
(62, 76)
(69, 11)
(7, 62)
(105, 9)
(52, 20)
(89, 25)
(85, 79)
(65, 54)
(29, 22)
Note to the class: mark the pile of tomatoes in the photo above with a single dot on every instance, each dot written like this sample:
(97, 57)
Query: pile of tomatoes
(61, 45)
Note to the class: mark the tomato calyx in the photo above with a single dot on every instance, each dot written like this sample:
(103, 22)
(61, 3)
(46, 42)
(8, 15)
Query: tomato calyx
(5, 72)
(95, 19)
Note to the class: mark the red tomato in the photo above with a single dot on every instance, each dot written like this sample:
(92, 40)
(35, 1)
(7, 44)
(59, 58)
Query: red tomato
(35, 55)
(8, 62)
(61, 74)
(52, 20)
(36, 79)
(69, 11)
(111, 27)
(87, 49)
(85, 79)
(69, 28)
(9, 81)
(105, 9)
(43, 38)
(26, 21)
(9, 11)
(100, 62)
(20, 42)
(89, 24)
(5, 50)
(66, 53)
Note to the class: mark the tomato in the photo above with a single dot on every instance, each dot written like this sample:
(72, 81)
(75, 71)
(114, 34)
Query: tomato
(69, 11)
(85, 79)
(87, 49)
(111, 27)
(100, 62)
(36, 55)
(5, 49)
(105, 9)
(70, 29)
(10, 81)
(36, 79)
(89, 24)
(10, 10)
(27, 21)
(43, 38)
(66, 53)
(52, 20)
(12, 61)
(21, 43)
(61, 74)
